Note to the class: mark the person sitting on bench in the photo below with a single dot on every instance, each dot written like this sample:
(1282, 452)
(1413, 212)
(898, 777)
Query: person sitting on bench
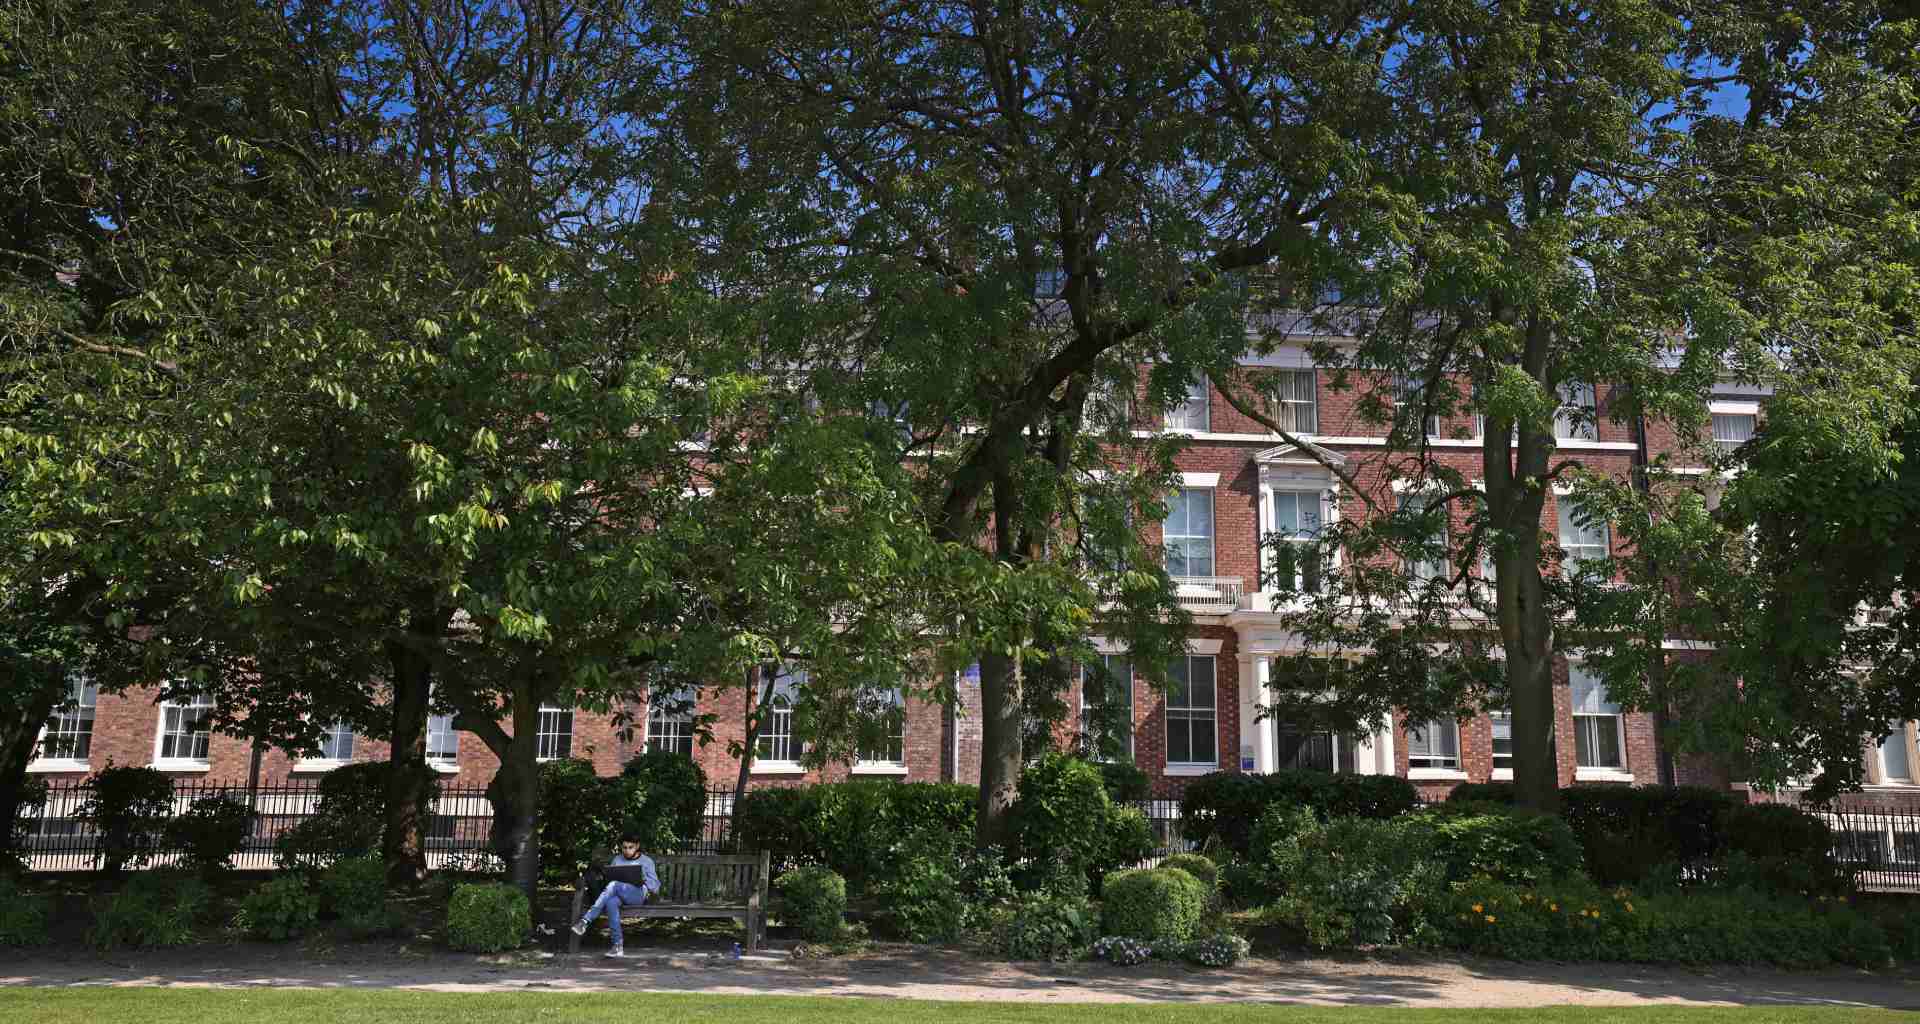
(618, 894)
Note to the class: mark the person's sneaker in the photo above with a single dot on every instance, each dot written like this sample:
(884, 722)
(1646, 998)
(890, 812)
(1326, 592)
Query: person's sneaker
(616, 953)
(579, 927)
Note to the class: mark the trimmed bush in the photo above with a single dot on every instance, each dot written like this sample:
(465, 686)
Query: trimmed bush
(154, 908)
(487, 918)
(1576, 920)
(1199, 867)
(349, 815)
(674, 795)
(129, 807)
(1126, 783)
(1503, 843)
(1222, 807)
(1352, 881)
(211, 831)
(1778, 848)
(355, 890)
(1061, 815)
(1044, 927)
(812, 900)
(859, 828)
(582, 813)
(1628, 831)
(1153, 904)
(925, 901)
(24, 915)
(779, 821)
(1130, 840)
(280, 909)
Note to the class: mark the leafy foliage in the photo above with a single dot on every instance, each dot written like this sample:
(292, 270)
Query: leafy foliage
(349, 814)
(153, 909)
(211, 831)
(1351, 881)
(1155, 904)
(24, 915)
(129, 807)
(1125, 781)
(1042, 926)
(1223, 807)
(1492, 841)
(488, 918)
(863, 830)
(674, 789)
(926, 901)
(354, 889)
(1063, 817)
(280, 908)
(1199, 867)
(813, 900)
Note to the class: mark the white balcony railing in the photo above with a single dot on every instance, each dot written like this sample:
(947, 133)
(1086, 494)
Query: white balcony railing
(1210, 595)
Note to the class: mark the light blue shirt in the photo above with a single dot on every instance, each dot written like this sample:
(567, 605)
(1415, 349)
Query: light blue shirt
(646, 870)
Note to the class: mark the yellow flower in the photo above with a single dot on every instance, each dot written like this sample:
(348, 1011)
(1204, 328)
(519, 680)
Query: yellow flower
(1555, 907)
(1477, 908)
(1490, 918)
(1629, 907)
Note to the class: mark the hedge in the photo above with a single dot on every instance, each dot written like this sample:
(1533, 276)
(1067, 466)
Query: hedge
(1153, 904)
(857, 828)
(1223, 807)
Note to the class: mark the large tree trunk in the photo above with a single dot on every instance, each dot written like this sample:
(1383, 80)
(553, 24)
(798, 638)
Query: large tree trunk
(403, 846)
(18, 735)
(759, 699)
(1001, 747)
(515, 795)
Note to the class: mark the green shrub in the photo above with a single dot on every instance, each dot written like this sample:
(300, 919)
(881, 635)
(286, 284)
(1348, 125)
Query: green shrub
(129, 808)
(154, 908)
(487, 918)
(1199, 867)
(812, 900)
(926, 901)
(1126, 783)
(354, 888)
(33, 796)
(860, 829)
(987, 885)
(24, 915)
(780, 822)
(1129, 837)
(349, 814)
(1353, 882)
(1153, 904)
(279, 909)
(1222, 808)
(1045, 927)
(1577, 920)
(1220, 950)
(1778, 848)
(1509, 845)
(211, 831)
(1060, 813)
(1628, 831)
(582, 814)
(1484, 793)
(674, 791)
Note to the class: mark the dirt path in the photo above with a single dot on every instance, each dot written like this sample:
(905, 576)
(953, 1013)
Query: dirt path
(919, 974)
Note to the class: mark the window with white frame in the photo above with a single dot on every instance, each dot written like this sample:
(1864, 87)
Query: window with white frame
(1732, 429)
(1297, 408)
(1187, 533)
(1576, 419)
(888, 747)
(1192, 712)
(776, 744)
(1427, 560)
(1106, 707)
(1110, 403)
(336, 743)
(1193, 412)
(1599, 727)
(185, 730)
(1409, 398)
(1502, 722)
(1433, 745)
(553, 735)
(443, 742)
(68, 735)
(670, 722)
(1893, 755)
(1296, 517)
(1582, 538)
(1316, 750)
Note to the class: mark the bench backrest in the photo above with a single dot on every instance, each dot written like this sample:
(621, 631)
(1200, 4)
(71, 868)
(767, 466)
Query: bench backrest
(708, 879)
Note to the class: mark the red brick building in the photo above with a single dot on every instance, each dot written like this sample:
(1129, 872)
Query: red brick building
(1239, 483)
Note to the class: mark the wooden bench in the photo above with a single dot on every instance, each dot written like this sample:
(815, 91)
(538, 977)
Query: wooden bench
(691, 885)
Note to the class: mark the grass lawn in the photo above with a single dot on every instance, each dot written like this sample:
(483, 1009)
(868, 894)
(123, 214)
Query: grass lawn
(209, 1006)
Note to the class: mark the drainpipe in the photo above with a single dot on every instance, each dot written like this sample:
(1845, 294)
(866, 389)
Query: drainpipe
(1657, 662)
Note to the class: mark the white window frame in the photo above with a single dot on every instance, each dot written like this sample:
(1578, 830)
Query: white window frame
(776, 733)
(1438, 765)
(863, 764)
(1184, 495)
(1494, 757)
(1731, 412)
(547, 737)
(1406, 391)
(1192, 715)
(1300, 490)
(1287, 409)
(73, 718)
(328, 758)
(1109, 659)
(1194, 414)
(190, 703)
(1425, 571)
(1583, 721)
(448, 759)
(1578, 418)
(1878, 774)
(1573, 537)
(671, 730)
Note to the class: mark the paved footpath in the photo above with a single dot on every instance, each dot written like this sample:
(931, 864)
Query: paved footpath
(949, 976)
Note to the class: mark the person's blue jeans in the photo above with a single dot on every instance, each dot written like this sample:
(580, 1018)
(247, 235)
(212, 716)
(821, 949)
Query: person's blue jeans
(611, 899)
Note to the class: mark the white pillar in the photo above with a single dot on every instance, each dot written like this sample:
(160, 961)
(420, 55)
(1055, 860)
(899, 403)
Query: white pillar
(1249, 711)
